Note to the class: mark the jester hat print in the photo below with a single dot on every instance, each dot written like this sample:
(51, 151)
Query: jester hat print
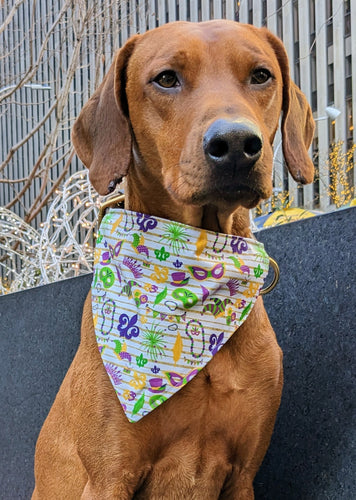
(166, 297)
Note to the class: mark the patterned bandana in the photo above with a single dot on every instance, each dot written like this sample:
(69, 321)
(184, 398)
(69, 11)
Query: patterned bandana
(166, 297)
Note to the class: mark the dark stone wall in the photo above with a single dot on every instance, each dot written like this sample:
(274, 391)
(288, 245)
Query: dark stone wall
(39, 335)
(313, 311)
(312, 453)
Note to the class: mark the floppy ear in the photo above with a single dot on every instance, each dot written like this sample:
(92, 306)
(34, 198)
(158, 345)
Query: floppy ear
(297, 134)
(297, 121)
(101, 133)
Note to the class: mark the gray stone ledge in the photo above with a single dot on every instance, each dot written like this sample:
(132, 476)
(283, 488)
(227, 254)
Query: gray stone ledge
(312, 453)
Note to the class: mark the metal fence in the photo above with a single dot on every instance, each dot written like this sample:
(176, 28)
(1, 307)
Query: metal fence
(53, 54)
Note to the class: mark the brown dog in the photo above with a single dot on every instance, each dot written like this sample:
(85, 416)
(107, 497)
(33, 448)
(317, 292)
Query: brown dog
(187, 113)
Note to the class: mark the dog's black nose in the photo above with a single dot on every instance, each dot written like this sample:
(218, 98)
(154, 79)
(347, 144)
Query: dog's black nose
(236, 144)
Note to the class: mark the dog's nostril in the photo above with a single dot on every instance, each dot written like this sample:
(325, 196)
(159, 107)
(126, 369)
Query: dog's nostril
(218, 148)
(252, 145)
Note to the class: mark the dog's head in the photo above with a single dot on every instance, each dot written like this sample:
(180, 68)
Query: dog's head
(189, 111)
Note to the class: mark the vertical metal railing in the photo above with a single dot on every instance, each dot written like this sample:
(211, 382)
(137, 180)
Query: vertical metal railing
(110, 24)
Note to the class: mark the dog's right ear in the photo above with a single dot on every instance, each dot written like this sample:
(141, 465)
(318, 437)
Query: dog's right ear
(101, 133)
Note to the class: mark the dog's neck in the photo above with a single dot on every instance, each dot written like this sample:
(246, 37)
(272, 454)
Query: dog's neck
(146, 195)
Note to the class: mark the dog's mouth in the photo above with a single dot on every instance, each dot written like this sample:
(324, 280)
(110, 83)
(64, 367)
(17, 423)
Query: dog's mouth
(237, 192)
(234, 194)
(225, 189)
(241, 193)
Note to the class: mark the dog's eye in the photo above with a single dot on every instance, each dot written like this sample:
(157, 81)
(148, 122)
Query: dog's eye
(260, 76)
(167, 80)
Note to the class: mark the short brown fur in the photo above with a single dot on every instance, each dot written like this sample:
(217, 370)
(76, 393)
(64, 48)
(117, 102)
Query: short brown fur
(132, 128)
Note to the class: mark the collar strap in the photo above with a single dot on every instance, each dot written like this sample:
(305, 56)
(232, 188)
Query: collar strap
(116, 199)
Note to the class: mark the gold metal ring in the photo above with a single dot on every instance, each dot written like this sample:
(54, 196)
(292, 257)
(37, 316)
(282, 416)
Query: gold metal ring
(275, 280)
(114, 200)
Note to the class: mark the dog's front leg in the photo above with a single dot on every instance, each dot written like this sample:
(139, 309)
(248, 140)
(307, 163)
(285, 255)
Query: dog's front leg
(239, 486)
(115, 484)
(107, 491)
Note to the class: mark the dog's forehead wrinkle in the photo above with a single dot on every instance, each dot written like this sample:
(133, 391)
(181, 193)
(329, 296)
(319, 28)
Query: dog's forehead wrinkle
(179, 61)
(174, 56)
(188, 41)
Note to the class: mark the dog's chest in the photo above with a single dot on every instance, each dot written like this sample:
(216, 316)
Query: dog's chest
(194, 445)
(189, 468)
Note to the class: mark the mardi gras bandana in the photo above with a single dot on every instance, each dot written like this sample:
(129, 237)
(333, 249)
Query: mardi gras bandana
(166, 297)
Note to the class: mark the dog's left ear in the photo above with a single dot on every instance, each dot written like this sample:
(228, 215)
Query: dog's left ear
(297, 121)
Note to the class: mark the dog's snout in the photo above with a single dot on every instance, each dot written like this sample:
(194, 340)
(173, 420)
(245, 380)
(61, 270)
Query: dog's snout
(237, 144)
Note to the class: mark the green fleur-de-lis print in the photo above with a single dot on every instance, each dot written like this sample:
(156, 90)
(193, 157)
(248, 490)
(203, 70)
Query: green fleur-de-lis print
(161, 254)
(258, 271)
(141, 361)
